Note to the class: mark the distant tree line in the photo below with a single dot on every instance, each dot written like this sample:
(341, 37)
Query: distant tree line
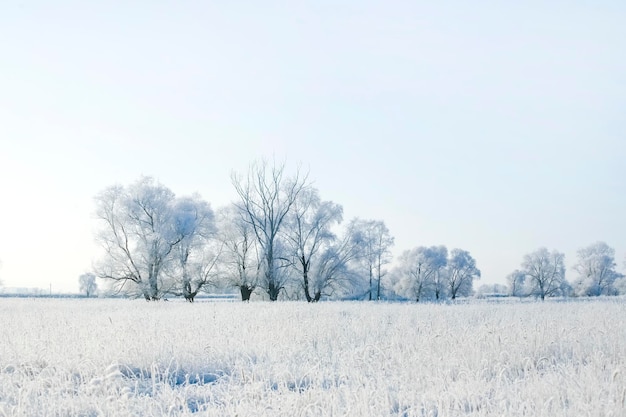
(542, 274)
(280, 241)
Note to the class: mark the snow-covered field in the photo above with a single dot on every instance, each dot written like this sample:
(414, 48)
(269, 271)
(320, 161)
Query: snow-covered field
(120, 357)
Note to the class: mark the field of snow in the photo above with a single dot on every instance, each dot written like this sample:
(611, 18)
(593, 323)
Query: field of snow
(120, 357)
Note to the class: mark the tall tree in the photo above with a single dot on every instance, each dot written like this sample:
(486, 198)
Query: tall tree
(148, 234)
(516, 282)
(310, 237)
(241, 263)
(376, 243)
(197, 252)
(545, 272)
(334, 272)
(137, 235)
(596, 270)
(460, 273)
(87, 283)
(266, 196)
(416, 270)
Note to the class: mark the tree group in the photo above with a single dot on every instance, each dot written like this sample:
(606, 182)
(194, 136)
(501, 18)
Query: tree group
(543, 274)
(278, 240)
(433, 273)
(154, 242)
(281, 240)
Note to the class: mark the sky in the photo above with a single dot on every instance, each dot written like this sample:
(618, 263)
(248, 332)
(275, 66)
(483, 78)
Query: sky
(495, 127)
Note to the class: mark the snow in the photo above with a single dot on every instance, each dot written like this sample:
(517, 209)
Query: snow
(121, 357)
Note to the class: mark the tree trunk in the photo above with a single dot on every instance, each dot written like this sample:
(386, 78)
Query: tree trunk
(246, 292)
(273, 291)
(187, 293)
(153, 288)
(305, 278)
(307, 294)
(150, 293)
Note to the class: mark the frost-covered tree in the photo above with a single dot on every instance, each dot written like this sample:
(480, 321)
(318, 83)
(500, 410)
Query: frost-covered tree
(312, 242)
(240, 263)
(87, 284)
(266, 196)
(460, 273)
(596, 270)
(137, 236)
(545, 273)
(375, 242)
(142, 225)
(440, 254)
(416, 269)
(620, 285)
(516, 282)
(336, 271)
(197, 252)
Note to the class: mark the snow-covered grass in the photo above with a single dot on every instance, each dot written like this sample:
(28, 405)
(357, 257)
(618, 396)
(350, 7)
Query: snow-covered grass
(120, 357)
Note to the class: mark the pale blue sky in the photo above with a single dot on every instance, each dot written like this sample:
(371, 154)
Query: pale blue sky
(496, 127)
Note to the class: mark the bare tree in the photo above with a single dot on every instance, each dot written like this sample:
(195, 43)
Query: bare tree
(596, 270)
(241, 261)
(309, 234)
(376, 243)
(545, 272)
(266, 197)
(460, 273)
(87, 283)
